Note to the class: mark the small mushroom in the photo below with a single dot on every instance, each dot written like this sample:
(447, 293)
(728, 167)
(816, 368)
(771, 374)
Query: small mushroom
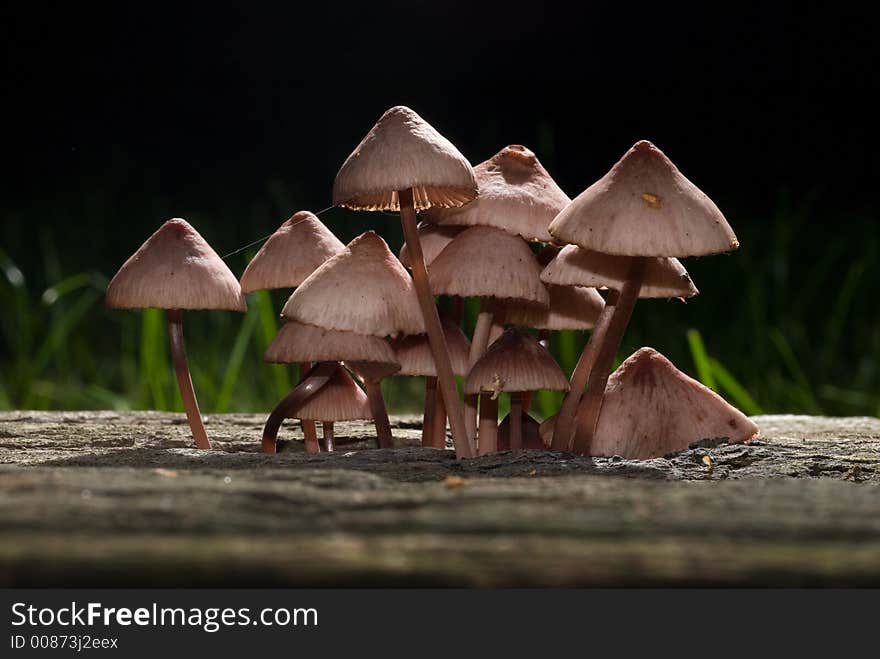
(340, 399)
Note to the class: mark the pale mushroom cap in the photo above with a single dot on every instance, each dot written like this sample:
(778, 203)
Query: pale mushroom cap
(363, 289)
(415, 357)
(651, 409)
(175, 269)
(297, 342)
(291, 254)
(571, 308)
(433, 240)
(487, 262)
(645, 207)
(664, 277)
(515, 362)
(404, 151)
(340, 399)
(516, 195)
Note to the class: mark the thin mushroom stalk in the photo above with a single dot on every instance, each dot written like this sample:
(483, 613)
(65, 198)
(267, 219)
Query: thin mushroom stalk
(430, 406)
(384, 439)
(184, 381)
(563, 433)
(313, 382)
(329, 440)
(591, 404)
(438, 422)
(479, 343)
(310, 430)
(488, 435)
(516, 411)
(447, 385)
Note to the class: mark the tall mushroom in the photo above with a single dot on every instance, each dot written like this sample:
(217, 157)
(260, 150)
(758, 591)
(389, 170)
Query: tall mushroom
(517, 364)
(643, 207)
(403, 164)
(489, 264)
(176, 269)
(363, 289)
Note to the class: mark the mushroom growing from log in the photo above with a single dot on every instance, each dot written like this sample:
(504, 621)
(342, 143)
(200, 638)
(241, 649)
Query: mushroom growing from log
(176, 269)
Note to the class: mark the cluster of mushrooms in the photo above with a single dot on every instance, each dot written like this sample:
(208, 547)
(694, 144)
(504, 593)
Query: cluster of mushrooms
(502, 232)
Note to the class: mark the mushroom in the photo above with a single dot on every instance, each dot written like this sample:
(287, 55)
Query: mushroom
(301, 343)
(516, 363)
(403, 164)
(176, 269)
(489, 264)
(291, 254)
(363, 289)
(433, 239)
(651, 409)
(415, 357)
(643, 207)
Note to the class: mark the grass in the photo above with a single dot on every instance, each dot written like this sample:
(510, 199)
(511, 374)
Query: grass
(787, 324)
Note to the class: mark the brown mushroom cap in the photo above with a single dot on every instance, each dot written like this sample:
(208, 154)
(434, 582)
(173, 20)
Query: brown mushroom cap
(297, 342)
(651, 409)
(487, 262)
(340, 399)
(645, 207)
(514, 363)
(575, 266)
(362, 289)
(175, 269)
(571, 308)
(433, 240)
(415, 357)
(403, 151)
(291, 254)
(517, 195)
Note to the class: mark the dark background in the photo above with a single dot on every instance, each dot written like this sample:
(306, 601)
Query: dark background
(121, 116)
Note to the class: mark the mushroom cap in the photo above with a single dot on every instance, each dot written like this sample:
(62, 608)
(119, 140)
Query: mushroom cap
(515, 362)
(487, 262)
(651, 409)
(415, 356)
(175, 269)
(363, 289)
(298, 342)
(404, 151)
(571, 308)
(665, 277)
(517, 195)
(433, 240)
(645, 207)
(340, 399)
(291, 254)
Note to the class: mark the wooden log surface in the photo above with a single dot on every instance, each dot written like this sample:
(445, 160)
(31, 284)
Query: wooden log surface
(106, 498)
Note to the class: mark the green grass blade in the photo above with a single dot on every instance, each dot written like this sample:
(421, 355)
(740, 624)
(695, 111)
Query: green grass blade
(733, 389)
(236, 358)
(153, 359)
(701, 359)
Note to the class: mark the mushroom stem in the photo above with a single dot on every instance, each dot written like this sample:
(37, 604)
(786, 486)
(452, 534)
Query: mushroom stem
(308, 427)
(488, 436)
(310, 437)
(437, 340)
(380, 414)
(544, 338)
(479, 343)
(288, 407)
(438, 431)
(565, 419)
(456, 309)
(591, 405)
(516, 409)
(184, 381)
(327, 428)
(428, 416)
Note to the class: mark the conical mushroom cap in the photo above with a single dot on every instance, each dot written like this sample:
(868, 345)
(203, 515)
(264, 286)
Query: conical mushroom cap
(175, 269)
(363, 289)
(651, 409)
(298, 342)
(575, 266)
(415, 356)
(487, 262)
(571, 308)
(291, 254)
(340, 399)
(433, 240)
(645, 207)
(517, 195)
(515, 362)
(404, 151)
